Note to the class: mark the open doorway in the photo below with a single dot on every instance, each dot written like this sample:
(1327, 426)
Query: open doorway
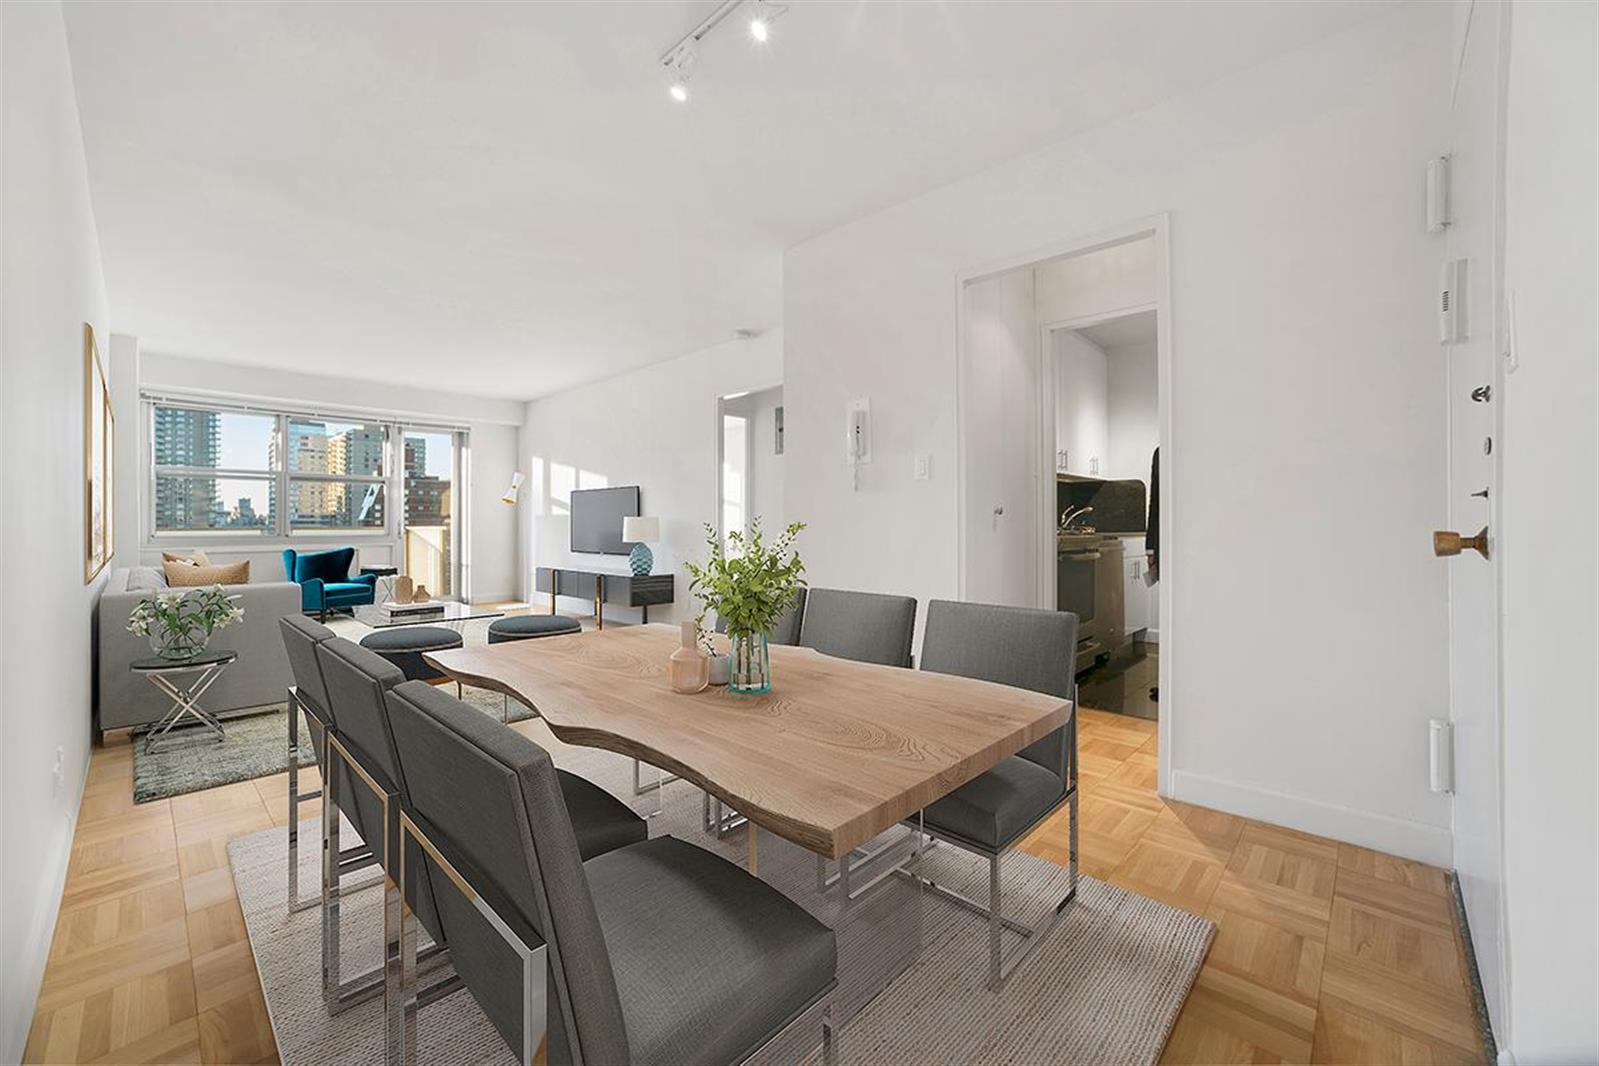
(1107, 430)
(1065, 373)
(749, 461)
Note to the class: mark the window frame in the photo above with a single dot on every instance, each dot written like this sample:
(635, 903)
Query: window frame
(282, 530)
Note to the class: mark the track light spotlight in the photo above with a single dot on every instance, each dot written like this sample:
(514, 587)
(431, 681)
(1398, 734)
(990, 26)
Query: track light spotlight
(678, 65)
(762, 14)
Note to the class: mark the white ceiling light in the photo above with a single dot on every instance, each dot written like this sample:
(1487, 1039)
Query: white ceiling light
(762, 14)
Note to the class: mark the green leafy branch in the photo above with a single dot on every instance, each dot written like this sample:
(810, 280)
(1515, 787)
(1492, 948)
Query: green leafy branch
(746, 582)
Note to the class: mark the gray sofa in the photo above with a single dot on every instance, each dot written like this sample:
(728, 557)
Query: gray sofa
(259, 676)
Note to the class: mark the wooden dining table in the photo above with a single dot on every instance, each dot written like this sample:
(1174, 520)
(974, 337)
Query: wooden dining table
(835, 754)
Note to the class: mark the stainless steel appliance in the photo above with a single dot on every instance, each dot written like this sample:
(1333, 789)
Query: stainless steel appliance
(1088, 582)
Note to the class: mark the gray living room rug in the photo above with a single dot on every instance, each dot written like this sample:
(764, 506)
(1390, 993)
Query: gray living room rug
(1104, 987)
(256, 744)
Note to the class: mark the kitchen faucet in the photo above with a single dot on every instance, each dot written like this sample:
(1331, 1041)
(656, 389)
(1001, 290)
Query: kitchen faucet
(1071, 516)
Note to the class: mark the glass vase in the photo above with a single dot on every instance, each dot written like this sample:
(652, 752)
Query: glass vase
(752, 667)
(177, 644)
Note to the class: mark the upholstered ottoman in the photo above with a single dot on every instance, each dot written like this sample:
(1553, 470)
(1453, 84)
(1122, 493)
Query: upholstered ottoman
(403, 646)
(530, 626)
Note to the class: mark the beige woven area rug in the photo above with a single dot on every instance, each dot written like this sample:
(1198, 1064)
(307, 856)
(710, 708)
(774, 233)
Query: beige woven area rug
(1105, 987)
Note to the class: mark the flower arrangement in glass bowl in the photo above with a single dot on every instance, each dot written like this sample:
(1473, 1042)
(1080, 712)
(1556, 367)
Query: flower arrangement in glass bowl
(180, 624)
(749, 584)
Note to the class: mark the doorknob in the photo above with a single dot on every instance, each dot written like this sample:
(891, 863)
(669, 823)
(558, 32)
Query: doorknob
(1445, 542)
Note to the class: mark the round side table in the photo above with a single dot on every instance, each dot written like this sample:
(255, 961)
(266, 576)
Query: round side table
(206, 667)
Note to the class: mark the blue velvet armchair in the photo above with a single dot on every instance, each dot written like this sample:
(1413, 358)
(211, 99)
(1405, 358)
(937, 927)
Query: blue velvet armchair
(325, 580)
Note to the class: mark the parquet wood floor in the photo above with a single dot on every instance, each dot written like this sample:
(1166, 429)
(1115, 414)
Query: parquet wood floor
(1323, 952)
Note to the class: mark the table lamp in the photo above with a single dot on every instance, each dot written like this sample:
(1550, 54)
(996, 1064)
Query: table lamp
(641, 533)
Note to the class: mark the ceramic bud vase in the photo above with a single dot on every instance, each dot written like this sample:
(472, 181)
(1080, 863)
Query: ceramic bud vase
(721, 669)
(752, 667)
(689, 668)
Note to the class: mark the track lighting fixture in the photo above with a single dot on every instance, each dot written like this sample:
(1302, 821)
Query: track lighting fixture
(679, 58)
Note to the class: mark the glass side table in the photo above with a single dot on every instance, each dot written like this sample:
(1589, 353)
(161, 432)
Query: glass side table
(164, 674)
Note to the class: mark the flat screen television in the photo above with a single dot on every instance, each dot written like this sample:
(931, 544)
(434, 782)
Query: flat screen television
(597, 518)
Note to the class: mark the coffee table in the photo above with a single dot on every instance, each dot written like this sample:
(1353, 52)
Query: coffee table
(377, 617)
(207, 666)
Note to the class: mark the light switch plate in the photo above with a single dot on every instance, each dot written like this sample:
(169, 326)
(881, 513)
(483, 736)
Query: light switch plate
(924, 468)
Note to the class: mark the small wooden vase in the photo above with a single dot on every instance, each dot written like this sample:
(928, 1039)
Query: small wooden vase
(689, 669)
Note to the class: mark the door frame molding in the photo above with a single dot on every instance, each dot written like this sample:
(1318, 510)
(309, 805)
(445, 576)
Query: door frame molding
(1156, 227)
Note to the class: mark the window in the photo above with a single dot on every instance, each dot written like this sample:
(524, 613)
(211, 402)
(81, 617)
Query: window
(221, 470)
(213, 469)
(336, 474)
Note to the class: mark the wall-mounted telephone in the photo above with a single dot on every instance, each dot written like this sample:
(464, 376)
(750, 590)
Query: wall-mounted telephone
(857, 437)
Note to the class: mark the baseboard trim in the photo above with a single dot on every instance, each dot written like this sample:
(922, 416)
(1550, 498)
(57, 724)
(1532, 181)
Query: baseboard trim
(1430, 844)
(36, 945)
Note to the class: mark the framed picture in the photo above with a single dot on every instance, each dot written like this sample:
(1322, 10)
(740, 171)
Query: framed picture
(99, 426)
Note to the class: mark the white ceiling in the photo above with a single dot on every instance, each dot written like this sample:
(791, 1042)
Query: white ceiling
(501, 199)
(1129, 331)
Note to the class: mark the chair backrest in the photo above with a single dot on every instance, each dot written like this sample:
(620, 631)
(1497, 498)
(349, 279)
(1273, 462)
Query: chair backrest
(494, 797)
(786, 630)
(300, 637)
(1019, 646)
(866, 626)
(331, 565)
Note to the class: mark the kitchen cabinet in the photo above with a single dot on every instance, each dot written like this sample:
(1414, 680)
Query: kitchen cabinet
(1142, 601)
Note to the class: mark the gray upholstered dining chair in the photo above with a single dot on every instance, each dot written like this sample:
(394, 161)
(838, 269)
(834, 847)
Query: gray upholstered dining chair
(1025, 648)
(869, 627)
(358, 681)
(654, 952)
(308, 699)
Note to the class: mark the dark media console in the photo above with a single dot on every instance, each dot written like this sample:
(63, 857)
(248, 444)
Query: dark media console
(605, 586)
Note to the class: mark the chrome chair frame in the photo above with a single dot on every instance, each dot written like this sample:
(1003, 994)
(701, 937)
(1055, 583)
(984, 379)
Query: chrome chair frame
(350, 859)
(535, 1007)
(338, 993)
(1001, 965)
(408, 999)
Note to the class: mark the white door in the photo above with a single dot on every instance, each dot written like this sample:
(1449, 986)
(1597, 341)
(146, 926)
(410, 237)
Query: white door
(1474, 372)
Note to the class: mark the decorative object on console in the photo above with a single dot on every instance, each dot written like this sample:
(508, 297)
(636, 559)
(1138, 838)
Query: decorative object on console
(641, 533)
(180, 624)
(749, 585)
(689, 669)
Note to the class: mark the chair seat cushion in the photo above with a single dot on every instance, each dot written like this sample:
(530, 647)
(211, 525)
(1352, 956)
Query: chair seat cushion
(995, 808)
(403, 646)
(709, 961)
(338, 589)
(528, 626)
(600, 821)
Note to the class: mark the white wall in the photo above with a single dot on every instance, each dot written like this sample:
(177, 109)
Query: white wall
(1132, 410)
(50, 285)
(493, 424)
(1270, 455)
(1082, 403)
(1549, 539)
(655, 428)
(1002, 521)
(1098, 282)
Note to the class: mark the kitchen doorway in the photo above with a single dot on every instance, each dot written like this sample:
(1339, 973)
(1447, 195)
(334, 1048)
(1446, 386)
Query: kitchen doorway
(1107, 429)
(1013, 316)
(749, 461)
